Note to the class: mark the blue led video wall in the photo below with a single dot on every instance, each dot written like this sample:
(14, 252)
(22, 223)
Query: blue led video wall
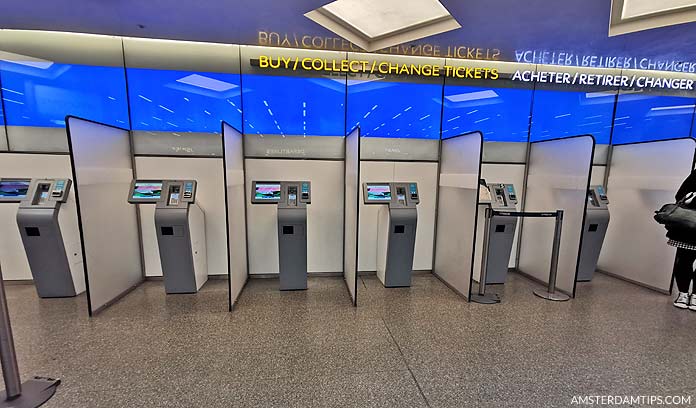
(294, 106)
(183, 101)
(501, 114)
(42, 93)
(642, 117)
(395, 109)
(560, 114)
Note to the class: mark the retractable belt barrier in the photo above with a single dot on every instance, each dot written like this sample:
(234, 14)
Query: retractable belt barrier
(550, 293)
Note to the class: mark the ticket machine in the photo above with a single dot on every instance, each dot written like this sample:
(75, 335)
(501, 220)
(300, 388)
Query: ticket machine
(594, 230)
(291, 198)
(180, 227)
(396, 230)
(56, 264)
(501, 231)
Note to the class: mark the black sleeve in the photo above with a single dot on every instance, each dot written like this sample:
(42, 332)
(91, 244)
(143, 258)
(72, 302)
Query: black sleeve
(687, 186)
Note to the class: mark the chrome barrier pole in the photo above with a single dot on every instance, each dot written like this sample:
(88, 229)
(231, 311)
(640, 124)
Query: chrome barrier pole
(10, 370)
(550, 293)
(481, 297)
(33, 393)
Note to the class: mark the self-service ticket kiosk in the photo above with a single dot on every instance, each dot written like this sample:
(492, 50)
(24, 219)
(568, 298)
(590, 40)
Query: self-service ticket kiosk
(501, 232)
(594, 230)
(396, 230)
(292, 198)
(54, 262)
(180, 227)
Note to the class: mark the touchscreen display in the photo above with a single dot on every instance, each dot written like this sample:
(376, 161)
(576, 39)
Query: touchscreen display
(269, 192)
(380, 192)
(14, 188)
(147, 190)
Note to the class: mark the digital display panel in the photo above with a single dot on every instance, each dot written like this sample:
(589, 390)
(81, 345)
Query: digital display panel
(147, 190)
(42, 94)
(381, 192)
(267, 192)
(183, 101)
(14, 189)
(643, 118)
(501, 114)
(291, 106)
(394, 109)
(558, 114)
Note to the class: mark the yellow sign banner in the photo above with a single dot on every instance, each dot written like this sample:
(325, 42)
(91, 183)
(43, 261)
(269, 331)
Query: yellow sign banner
(375, 67)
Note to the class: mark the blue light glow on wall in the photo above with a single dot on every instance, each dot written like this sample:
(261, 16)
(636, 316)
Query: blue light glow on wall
(43, 93)
(650, 117)
(183, 101)
(294, 106)
(560, 114)
(391, 109)
(501, 114)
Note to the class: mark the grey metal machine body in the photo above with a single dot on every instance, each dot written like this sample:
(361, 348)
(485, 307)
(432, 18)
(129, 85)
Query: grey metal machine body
(500, 233)
(37, 220)
(594, 231)
(180, 228)
(292, 198)
(396, 230)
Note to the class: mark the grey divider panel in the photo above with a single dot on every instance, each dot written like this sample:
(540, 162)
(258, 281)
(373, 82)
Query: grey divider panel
(233, 154)
(102, 172)
(642, 178)
(350, 214)
(558, 176)
(460, 170)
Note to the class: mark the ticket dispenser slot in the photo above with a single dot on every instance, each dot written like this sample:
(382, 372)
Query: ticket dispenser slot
(594, 231)
(501, 231)
(291, 198)
(38, 218)
(396, 229)
(180, 228)
(41, 194)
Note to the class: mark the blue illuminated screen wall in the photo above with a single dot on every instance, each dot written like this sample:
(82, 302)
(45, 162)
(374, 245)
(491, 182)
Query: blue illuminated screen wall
(393, 109)
(560, 114)
(183, 101)
(43, 93)
(292, 106)
(642, 118)
(501, 114)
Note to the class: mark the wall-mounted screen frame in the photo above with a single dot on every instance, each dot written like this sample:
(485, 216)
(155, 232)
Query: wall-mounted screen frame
(266, 192)
(145, 191)
(14, 190)
(377, 193)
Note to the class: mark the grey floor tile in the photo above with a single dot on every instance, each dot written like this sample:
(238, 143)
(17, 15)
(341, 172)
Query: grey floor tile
(313, 348)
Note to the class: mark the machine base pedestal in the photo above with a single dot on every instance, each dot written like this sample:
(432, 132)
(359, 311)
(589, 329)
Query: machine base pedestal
(35, 392)
(555, 296)
(485, 299)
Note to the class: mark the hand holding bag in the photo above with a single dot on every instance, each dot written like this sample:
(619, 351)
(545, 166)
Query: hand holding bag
(677, 216)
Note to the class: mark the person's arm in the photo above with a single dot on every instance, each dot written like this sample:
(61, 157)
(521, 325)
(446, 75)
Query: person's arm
(687, 186)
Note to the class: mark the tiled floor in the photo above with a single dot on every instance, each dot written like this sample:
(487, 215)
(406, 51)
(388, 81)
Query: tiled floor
(410, 347)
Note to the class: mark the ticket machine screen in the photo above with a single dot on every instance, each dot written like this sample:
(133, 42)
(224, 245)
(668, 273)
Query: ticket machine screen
(14, 189)
(381, 192)
(267, 192)
(147, 191)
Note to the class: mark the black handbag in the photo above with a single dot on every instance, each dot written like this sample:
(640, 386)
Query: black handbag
(677, 216)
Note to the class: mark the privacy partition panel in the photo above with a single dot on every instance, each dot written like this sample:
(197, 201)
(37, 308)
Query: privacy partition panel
(457, 207)
(643, 177)
(558, 177)
(102, 173)
(350, 213)
(233, 156)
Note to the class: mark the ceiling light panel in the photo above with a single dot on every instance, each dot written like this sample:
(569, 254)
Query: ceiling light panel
(376, 25)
